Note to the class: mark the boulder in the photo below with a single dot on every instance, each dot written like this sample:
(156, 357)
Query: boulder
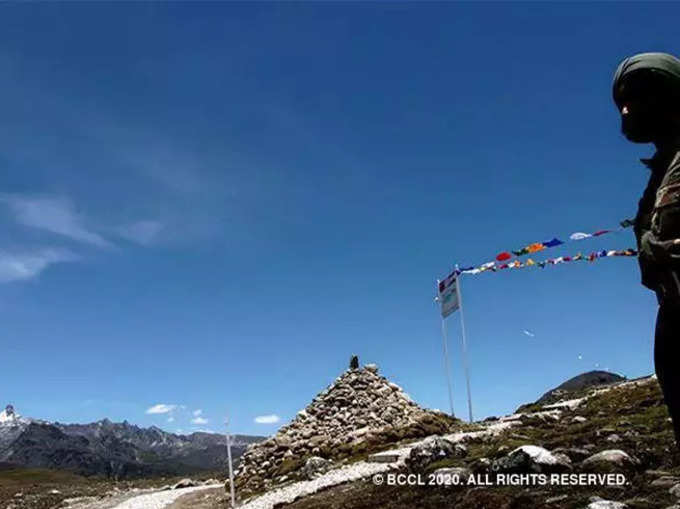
(609, 460)
(185, 483)
(675, 491)
(316, 466)
(428, 451)
(531, 458)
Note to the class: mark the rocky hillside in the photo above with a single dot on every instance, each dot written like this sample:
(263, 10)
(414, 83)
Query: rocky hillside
(577, 383)
(607, 447)
(118, 450)
(360, 412)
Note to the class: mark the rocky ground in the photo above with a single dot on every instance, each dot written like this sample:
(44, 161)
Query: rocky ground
(622, 430)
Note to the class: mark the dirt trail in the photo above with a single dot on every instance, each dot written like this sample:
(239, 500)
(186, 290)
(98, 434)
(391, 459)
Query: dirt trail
(146, 500)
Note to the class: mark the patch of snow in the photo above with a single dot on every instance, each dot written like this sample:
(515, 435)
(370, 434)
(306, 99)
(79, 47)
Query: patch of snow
(160, 499)
(289, 494)
(571, 404)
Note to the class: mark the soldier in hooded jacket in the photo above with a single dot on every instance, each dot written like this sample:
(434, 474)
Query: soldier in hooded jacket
(646, 91)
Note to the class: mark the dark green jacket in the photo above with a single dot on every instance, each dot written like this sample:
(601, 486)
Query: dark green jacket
(657, 226)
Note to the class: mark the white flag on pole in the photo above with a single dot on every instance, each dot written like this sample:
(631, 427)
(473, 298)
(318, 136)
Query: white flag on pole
(448, 296)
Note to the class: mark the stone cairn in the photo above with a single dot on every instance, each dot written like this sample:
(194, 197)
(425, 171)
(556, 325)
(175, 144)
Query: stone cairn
(357, 414)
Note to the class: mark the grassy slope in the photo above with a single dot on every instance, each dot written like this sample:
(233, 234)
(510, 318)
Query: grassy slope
(35, 486)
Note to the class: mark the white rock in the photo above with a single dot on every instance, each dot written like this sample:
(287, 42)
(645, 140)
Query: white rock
(607, 504)
(613, 456)
(675, 491)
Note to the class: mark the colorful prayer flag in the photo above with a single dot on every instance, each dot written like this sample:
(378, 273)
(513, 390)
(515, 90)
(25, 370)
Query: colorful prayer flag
(536, 247)
(552, 243)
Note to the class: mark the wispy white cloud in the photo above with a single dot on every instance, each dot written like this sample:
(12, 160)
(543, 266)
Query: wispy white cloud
(267, 419)
(161, 408)
(529, 333)
(54, 214)
(26, 265)
(171, 419)
(199, 420)
(141, 232)
(197, 412)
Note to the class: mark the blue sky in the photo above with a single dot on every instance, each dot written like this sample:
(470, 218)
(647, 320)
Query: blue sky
(212, 206)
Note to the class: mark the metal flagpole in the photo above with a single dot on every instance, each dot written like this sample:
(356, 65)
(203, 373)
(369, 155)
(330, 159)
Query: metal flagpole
(464, 344)
(231, 471)
(447, 363)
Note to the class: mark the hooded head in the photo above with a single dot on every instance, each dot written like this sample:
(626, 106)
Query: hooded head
(646, 91)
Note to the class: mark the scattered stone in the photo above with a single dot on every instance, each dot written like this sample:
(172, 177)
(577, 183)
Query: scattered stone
(675, 491)
(185, 483)
(316, 466)
(609, 460)
(579, 419)
(665, 481)
(460, 451)
(531, 458)
(614, 438)
(558, 498)
(428, 451)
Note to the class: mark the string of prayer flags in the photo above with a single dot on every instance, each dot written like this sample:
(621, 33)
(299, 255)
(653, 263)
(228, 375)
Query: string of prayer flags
(518, 264)
(503, 259)
(554, 242)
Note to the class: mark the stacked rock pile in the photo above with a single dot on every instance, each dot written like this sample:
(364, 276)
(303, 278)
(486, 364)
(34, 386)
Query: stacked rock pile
(360, 412)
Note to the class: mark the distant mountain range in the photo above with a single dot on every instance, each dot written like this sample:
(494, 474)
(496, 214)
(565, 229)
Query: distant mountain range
(118, 450)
